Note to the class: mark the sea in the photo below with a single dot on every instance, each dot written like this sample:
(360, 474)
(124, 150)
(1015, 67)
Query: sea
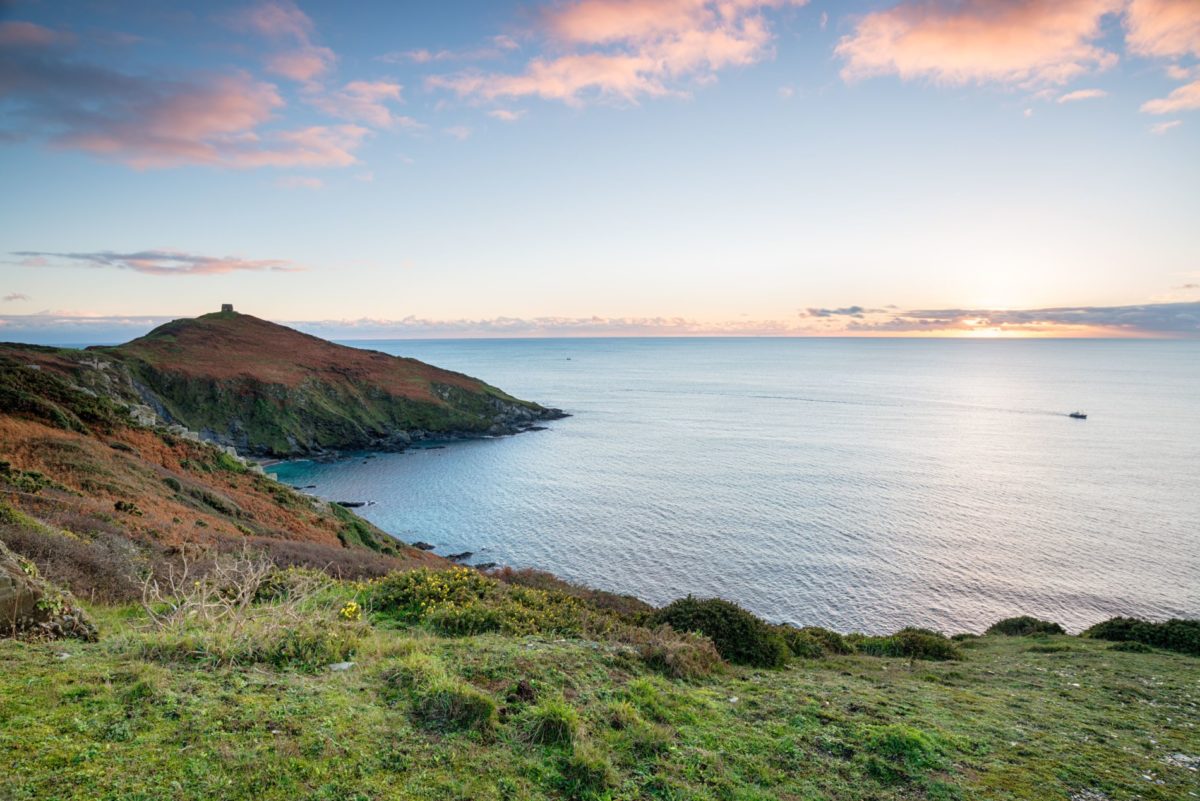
(857, 484)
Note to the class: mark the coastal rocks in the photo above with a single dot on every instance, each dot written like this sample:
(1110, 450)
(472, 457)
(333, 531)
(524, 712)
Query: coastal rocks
(32, 607)
(423, 546)
(460, 557)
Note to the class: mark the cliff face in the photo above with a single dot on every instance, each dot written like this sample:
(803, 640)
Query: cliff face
(269, 390)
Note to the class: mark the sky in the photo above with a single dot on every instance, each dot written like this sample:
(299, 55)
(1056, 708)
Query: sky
(602, 167)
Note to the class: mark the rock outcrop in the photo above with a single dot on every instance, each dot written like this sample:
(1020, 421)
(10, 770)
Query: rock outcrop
(32, 607)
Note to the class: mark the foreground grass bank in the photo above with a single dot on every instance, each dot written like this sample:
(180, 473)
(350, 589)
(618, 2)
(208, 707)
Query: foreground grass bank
(215, 704)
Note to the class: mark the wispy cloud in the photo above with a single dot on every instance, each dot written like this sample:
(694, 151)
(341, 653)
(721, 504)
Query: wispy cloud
(1147, 320)
(1161, 128)
(145, 121)
(846, 311)
(1185, 98)
(367, 102)
(1150, 319)
(629, 49)
(1163, 28)
(459, 132)
(507, 115)
(15, 296)
(155, 262)
(1020, 42)
(1082, 94)
(283, 23)
(499, 47)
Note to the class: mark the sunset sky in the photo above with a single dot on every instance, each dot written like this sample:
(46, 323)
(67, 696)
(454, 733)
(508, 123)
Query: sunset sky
(602, 167)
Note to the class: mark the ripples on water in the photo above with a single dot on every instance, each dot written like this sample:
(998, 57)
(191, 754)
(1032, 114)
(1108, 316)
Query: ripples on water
(857, 484)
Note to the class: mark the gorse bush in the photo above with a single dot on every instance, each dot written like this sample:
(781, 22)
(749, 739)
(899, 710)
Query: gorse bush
(681, 655)
(461, 602)
(813, 642)
(738, 635)
(1025, 626)
(910, 643)
(1174, 635)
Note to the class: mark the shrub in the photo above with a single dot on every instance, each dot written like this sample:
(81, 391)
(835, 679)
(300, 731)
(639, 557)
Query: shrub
(1174, 635)
(1025, 626)
(899, 752)
(173, 484)
(1131, 646)
(587, 772)
(813, 642)
(681, 655)
(461, 601)
(910, 643)
(128, 508)
(450, 704)
(738, 635)
(802, 645)
(552, 722)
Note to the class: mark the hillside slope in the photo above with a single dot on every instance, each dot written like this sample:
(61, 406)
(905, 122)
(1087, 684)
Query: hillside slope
(269, 390)
(96, 500)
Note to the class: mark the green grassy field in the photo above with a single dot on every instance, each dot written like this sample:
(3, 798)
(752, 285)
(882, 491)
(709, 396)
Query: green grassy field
(185, 712)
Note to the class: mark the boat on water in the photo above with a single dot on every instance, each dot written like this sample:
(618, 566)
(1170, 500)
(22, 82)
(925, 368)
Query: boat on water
(1078, 415)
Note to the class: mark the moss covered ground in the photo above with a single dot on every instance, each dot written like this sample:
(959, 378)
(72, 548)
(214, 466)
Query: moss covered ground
(191, 713)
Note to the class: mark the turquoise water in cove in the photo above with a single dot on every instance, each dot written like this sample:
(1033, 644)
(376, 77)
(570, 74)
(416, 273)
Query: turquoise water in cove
(857, 484)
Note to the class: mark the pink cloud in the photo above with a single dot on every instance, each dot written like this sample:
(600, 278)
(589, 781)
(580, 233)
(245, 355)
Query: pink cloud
(507, 115)
(1163, 28)
(283, 21)
(303, 64)
(366, 101)
(1082, 94)
(1185, 98)
(1161, 128)
(154, 121)
(28, 34)
(1022, 42)
(158, 262)
(628, 49)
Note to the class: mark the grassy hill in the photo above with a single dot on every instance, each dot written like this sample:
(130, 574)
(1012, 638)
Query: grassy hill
(467, 687)
(268, 389)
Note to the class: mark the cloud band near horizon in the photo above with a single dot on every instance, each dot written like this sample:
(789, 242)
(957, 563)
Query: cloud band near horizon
(1152, 320)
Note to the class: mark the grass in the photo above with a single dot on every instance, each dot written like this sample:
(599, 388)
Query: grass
(421, 715)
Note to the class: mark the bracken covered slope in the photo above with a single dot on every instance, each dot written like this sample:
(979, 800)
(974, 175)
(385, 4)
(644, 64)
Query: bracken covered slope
(97, 500)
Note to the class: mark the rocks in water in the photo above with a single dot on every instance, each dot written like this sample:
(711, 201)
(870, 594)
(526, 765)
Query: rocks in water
(460, 557)
(351, 504)
(32, 607)
(485, 565)
(423, 546)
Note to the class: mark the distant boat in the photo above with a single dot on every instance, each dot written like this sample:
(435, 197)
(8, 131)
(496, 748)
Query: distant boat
(1078, 415)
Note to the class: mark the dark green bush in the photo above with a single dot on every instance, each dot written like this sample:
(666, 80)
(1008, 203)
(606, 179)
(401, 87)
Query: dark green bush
(1024, 626)
(173, 483)
(910, 643)
(802, 644)
(1174, 635)
(739, 636)
(1131, 646)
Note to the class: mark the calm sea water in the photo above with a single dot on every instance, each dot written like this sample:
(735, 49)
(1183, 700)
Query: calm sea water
(856, 484)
